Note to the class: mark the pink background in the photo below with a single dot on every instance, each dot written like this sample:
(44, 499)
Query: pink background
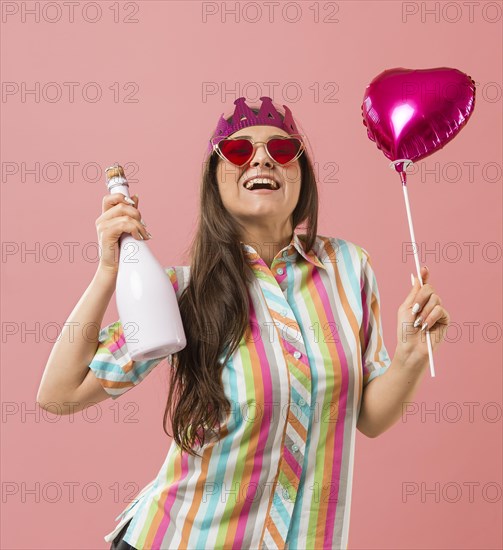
(172, 54)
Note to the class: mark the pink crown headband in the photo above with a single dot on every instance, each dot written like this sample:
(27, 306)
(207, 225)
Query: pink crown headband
(243, 117)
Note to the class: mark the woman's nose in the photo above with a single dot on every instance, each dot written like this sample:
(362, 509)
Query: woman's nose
(260, 156)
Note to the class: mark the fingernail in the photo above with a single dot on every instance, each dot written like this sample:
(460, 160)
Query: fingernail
(424, 326)
(141, 236)
(416, 308)
(417, 322)
(412, 279)
(426, 267)
(128, 200)
(150, 236)
(143, 223)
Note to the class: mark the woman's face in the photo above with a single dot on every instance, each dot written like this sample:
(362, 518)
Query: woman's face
(264, 208)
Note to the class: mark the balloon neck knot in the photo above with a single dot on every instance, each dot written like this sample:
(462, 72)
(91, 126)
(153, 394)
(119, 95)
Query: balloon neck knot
(400, 165)
(406, 163)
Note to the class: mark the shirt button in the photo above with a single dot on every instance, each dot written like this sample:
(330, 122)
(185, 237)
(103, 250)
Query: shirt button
(301, 402)
(285, 254)
(280, 271)
(297, 355)
(295, 448)
(284, 312)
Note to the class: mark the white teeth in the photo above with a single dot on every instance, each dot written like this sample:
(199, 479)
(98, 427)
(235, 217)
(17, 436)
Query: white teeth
(249, 184)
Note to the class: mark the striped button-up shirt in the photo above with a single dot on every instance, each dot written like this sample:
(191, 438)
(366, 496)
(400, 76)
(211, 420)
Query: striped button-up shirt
(281, 474)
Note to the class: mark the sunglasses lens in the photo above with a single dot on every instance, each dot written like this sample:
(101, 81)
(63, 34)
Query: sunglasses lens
(283, 150)
(237, 151)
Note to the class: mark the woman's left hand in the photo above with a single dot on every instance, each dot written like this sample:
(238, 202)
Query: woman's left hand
(411, 341)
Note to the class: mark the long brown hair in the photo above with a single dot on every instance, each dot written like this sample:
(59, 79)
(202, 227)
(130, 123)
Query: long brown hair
(214, 307)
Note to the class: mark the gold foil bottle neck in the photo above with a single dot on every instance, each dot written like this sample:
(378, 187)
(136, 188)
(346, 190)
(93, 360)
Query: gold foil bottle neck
(115, 171)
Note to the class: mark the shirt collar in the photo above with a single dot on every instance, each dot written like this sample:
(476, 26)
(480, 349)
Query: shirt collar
(296, 246)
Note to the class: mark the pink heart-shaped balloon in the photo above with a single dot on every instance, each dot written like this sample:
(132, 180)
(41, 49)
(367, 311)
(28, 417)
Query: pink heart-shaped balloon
(412, 113)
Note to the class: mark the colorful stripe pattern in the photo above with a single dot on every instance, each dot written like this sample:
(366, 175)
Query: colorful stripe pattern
(281, 474)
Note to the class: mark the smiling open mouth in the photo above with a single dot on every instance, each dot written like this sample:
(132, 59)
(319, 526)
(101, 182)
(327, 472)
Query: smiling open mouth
(261, 183)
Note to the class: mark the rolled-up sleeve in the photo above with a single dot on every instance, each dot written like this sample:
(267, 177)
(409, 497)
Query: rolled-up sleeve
(112, 364)
(375, 357)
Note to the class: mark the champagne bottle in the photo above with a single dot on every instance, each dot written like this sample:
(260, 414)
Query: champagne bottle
(146, 300)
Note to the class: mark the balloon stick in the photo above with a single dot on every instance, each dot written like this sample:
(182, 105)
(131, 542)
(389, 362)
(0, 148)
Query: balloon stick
(403, 178)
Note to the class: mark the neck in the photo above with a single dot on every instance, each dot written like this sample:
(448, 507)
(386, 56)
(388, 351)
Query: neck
(268, 241)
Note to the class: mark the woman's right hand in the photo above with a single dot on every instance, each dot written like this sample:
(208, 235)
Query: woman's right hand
(118, 217)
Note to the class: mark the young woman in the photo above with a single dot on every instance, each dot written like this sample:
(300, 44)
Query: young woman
(285, 355)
